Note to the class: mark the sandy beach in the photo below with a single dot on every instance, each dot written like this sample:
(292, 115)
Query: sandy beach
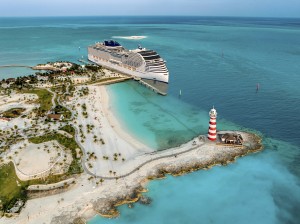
(125, 173)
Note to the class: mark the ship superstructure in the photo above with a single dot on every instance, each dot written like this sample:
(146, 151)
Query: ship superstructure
(140, 63)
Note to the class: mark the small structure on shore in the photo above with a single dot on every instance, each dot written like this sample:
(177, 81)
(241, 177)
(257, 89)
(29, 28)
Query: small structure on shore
(10, 80)
(212, 131)
(42, 78)
(5, 119)
(55, 117)
(231, 138)
(80, 79)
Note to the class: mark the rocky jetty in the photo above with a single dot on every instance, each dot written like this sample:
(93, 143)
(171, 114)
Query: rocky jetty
(179, 165)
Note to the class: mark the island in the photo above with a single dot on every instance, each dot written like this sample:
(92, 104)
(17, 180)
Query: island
(64, 157)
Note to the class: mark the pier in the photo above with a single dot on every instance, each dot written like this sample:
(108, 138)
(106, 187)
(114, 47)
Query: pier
(156, 90)
(17, 66)
(112, 81)
(85, 62)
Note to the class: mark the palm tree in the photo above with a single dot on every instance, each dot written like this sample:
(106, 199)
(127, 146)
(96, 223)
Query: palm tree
(101, 181)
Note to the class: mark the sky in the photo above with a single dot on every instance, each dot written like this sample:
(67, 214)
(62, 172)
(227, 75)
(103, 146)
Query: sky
(252, 8)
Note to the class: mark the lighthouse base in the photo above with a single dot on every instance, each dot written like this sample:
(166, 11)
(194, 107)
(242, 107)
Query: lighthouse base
(212, 139)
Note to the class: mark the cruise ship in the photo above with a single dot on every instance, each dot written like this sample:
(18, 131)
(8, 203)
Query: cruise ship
(142, 64)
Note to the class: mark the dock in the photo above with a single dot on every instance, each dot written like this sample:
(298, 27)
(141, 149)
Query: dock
(85, 62)
(112, 81)
(154, 89)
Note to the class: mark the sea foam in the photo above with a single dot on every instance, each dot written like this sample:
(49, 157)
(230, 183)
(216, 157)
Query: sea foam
(130, 37)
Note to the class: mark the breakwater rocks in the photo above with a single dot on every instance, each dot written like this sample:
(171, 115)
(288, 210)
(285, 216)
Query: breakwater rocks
(206, 156)
(107, 207)
(223, 155)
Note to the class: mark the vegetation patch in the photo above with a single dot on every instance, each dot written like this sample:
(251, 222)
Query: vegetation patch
(45, 100)
(94, 68)
(13, 113)
(11, 188)
(69, 129)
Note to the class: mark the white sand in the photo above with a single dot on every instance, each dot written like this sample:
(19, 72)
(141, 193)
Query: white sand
(16, 101)
(38, 160)
(16, 98)
(108, 129)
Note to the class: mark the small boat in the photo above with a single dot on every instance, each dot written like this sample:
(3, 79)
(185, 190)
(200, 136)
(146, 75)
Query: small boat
(257, 87)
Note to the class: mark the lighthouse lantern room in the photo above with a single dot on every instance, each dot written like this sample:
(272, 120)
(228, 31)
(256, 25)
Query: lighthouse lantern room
(212, 131)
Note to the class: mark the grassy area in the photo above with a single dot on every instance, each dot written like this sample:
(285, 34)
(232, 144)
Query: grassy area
(69, 143)
(45, 99)
(69, 129)
(13, 113)
(67, 113)
(10, 190)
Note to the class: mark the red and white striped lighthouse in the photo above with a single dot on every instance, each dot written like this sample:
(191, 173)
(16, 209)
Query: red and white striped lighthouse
(212, 131)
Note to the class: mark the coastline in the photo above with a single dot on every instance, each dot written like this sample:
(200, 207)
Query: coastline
(108, 207)
(213, 72)
(115, 123)
(84, 199)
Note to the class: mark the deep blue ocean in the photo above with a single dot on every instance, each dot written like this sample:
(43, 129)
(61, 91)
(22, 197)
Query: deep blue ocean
(213, 61)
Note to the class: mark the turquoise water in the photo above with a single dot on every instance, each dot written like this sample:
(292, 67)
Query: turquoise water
(152, 120)
(256, 189)
(214, 61)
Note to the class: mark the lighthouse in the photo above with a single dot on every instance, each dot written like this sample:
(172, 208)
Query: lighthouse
(212, 131)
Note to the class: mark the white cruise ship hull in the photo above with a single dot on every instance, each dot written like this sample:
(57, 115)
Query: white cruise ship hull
(156, 76)
(142, 64)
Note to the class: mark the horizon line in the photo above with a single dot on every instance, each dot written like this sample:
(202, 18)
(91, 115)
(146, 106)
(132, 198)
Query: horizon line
(219, 16)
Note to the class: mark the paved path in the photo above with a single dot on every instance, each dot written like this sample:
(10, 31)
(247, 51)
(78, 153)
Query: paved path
(144, 163)
(135, 169)
(53, 98)
(132, 171)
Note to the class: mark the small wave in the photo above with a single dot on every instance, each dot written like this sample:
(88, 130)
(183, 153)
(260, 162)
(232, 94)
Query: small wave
(130, 37)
